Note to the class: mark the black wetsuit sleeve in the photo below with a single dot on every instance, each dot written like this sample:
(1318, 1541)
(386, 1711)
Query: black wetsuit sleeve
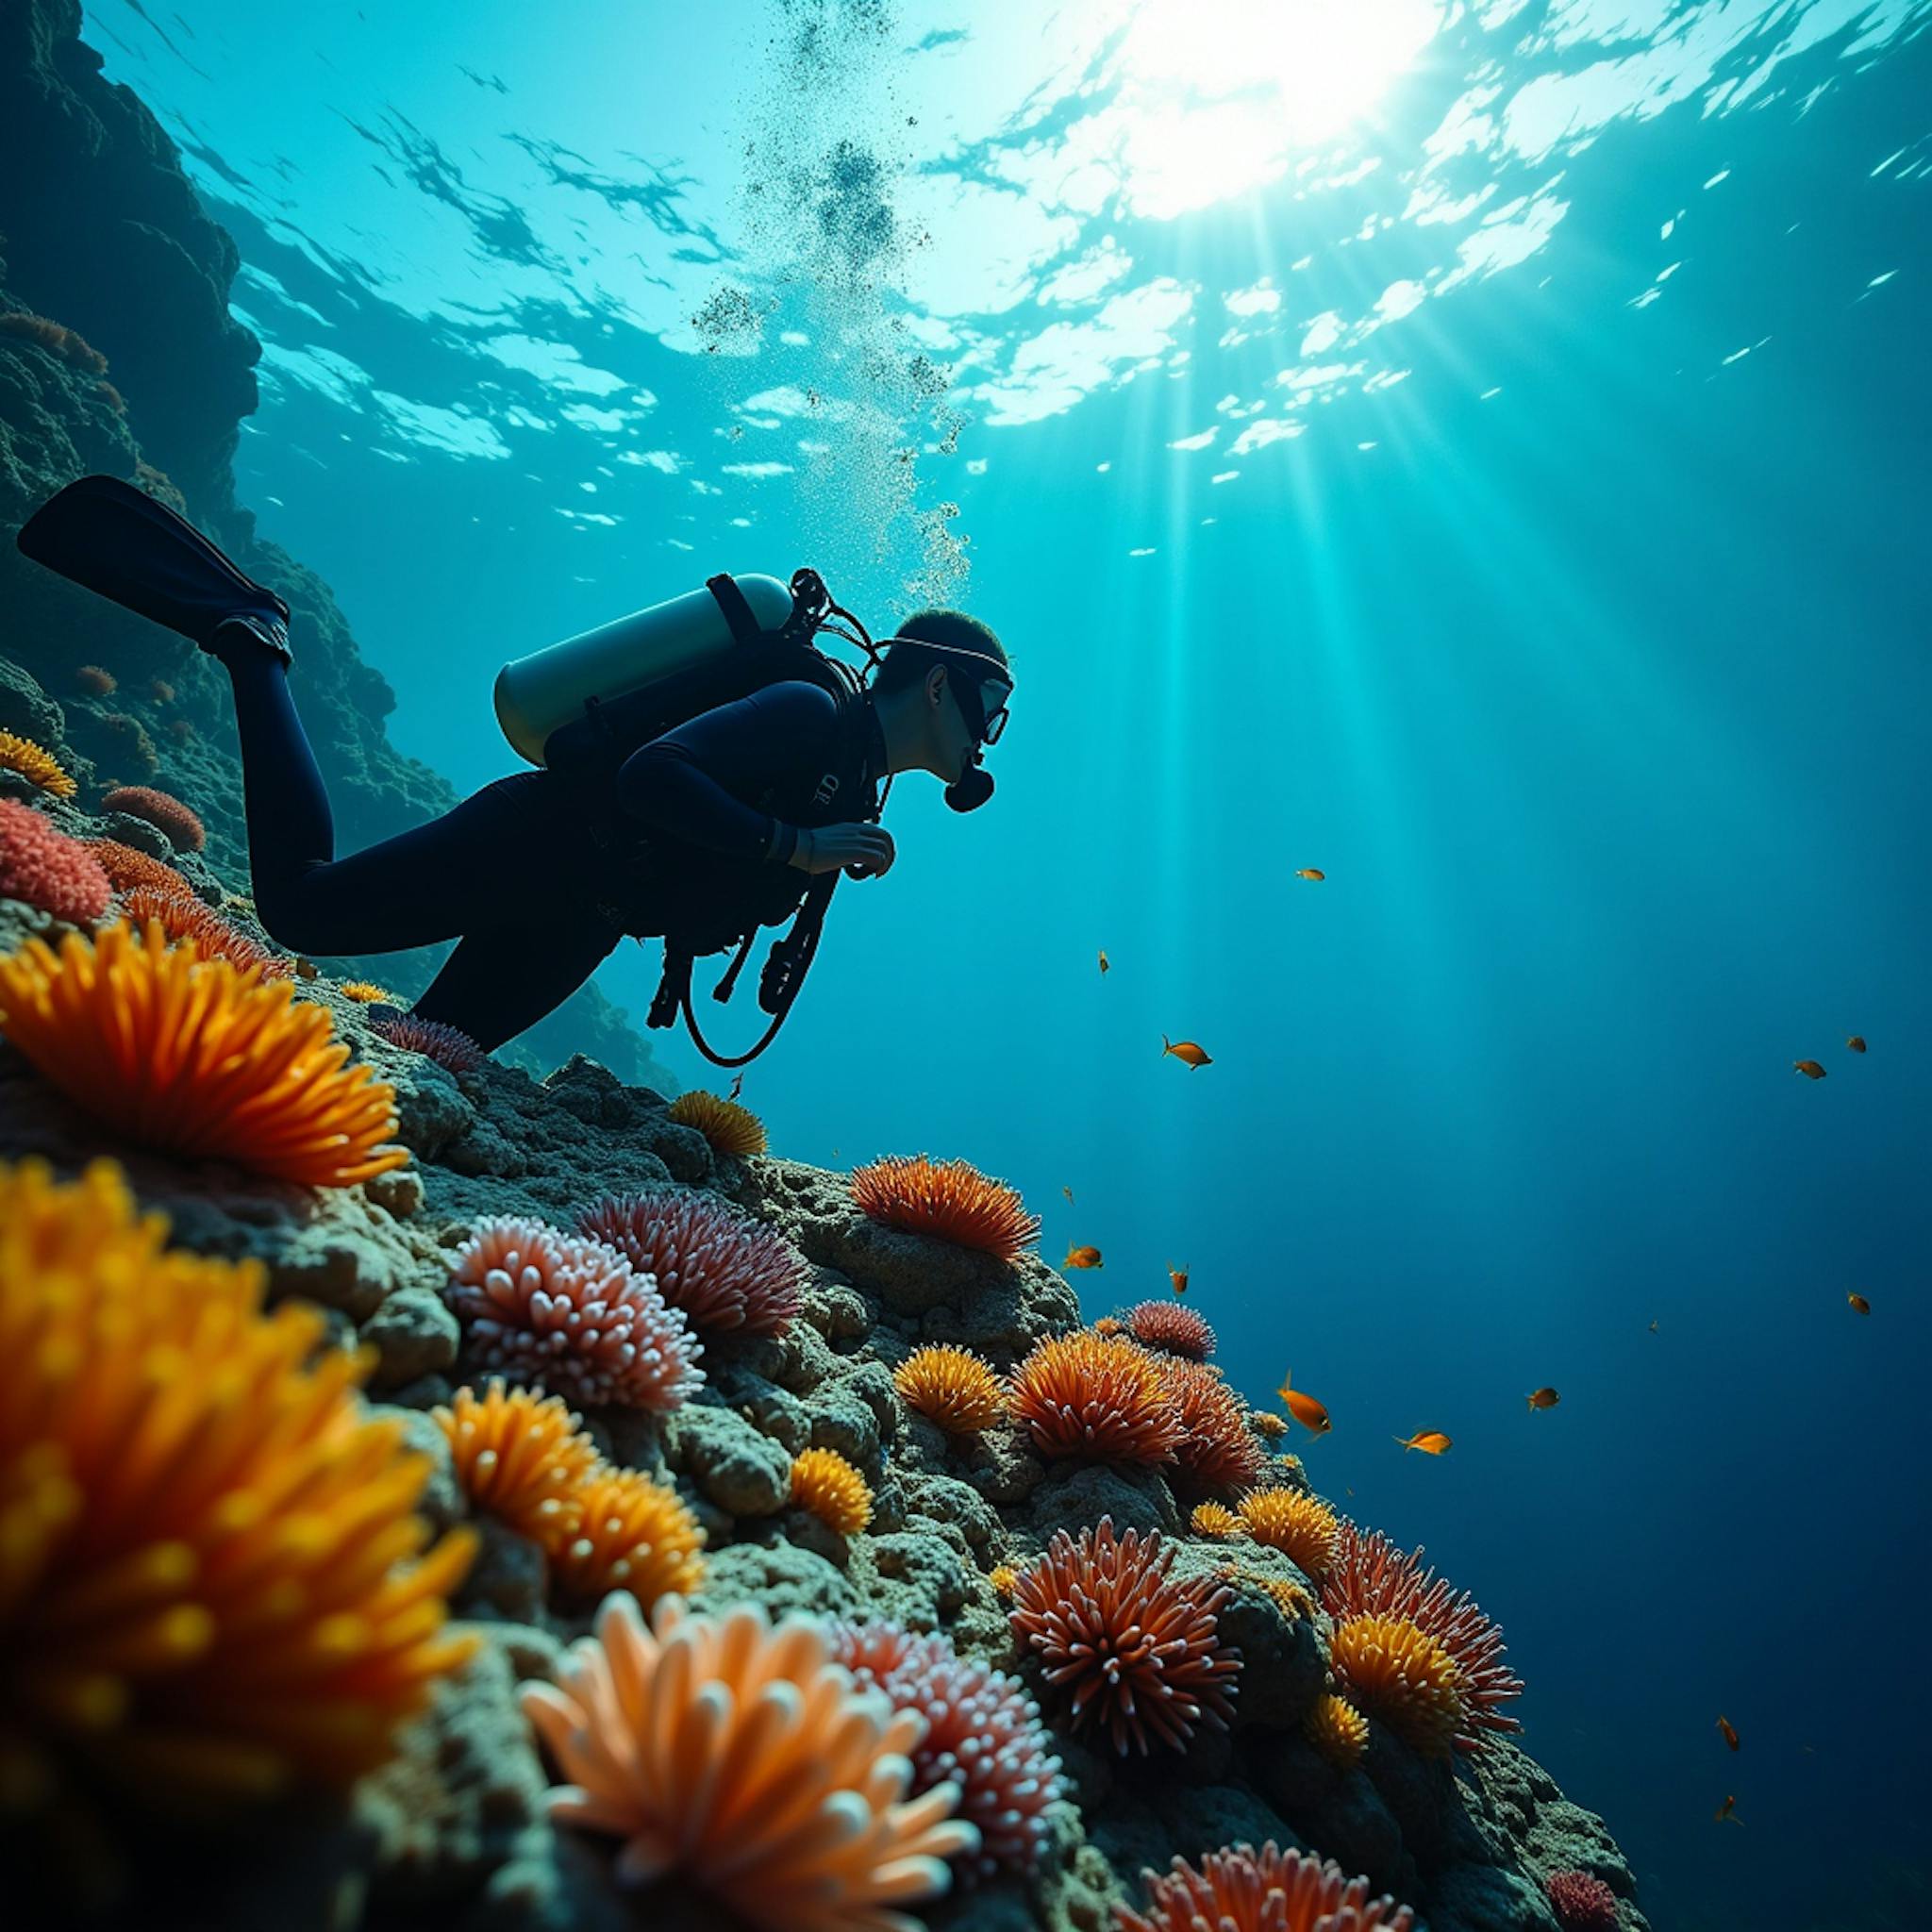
(696, 782)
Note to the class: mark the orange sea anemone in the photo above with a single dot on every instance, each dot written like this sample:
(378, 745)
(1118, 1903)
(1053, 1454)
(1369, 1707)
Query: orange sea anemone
(951, 1387)
(630, 1532)
(728, 1127)
(1241, 1890)
(45, 869)
(130, 868)
(191, 924)
(96, 680)
(518, 1458)
(743, 1760)
(825, 1485)
(1096, 1396)
(1402, 1676)
(1110, 1324)
(1214, 1519)
(1284, 1592)
(194, 1059)
(161, 809)
(212, 1582)
(1137, 1654)
(36, 764)
(1216, 1451)
(1372, 1577)
(949, 1200)
(365, 992)
(1004, 1579)
(1303, 1529)
(1267, 1424)
(1338, 1730)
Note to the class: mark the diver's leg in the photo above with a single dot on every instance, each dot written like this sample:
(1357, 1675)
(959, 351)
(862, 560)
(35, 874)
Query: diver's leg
(503, 979)
(429, 883)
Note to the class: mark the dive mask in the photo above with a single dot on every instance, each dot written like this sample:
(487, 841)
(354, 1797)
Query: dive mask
(985, 714)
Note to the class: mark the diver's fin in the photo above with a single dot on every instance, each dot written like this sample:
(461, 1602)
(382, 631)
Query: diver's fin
(118, 541)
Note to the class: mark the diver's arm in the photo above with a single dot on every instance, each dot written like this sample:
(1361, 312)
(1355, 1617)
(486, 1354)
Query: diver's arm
(692, 783)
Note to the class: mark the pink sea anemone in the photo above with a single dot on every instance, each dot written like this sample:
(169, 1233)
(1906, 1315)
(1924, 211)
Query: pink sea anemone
(541, 1307)
(1138, 1654)
(727, 1272)
(1172, 1327)
(983, 1734)
(448, 1046)
(1241, 1890)
(47, 869)
(1370, 1577)
(184, 831)
(744, 1762)
(1581, 1903)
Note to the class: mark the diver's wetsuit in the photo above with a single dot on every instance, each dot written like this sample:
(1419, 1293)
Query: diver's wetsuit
(539, 879)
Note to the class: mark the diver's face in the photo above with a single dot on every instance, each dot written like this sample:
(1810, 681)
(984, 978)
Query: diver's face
(954, 736)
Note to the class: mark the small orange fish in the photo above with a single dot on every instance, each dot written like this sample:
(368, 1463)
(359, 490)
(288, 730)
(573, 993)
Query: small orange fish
(1186, 1051)
(1728, 1811)
(1305, 1410)
(1105, 966)
(1811, 1069)
(1069, 1194)
(1859, 1303)
(1856, 1043)
(1308, 872)
(1543, 1398)
(1082, 1258)
(1178, 1276)
(1430, 1441)
(1729, 1731)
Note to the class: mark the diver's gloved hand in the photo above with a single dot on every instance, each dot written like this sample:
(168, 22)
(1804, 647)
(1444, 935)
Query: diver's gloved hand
(868, 850)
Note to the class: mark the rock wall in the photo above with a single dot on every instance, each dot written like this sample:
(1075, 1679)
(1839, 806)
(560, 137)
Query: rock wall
(102, 237)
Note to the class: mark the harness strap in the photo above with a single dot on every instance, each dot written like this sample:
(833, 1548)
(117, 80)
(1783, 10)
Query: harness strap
(738, 613)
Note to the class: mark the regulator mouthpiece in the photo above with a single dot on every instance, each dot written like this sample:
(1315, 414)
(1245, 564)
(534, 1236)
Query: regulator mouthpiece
(972, 788)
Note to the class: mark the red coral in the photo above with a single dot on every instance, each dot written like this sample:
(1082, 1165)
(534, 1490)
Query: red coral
(70, 346)
(1172, 1327)
(188, 922)
(950, 1200)
(1241, 1890)
(129, 869)
(725, 1270)
(448, 1046)
(47, 869)
(1217, 1449)
(1137, 1653)
(1370, 1577)
(93, 679)
(1581, 1903)
(983, 1733)
(186, 832)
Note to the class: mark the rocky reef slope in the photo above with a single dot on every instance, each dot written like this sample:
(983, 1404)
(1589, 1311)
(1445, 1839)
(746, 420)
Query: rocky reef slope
(118, 354)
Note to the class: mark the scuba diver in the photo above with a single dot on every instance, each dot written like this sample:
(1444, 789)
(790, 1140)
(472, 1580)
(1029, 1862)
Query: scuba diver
(704, 770)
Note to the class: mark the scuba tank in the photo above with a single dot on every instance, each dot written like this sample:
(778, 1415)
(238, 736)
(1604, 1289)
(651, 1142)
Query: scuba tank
(537, 694)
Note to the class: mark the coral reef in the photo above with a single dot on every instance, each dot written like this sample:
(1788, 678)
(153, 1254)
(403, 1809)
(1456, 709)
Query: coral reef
(448, 1046)
(193, 1057)
(567, 1313)
(48, 871)
(1099, 1397)
(1371, 1576)
(949, 1200)
(56, 337)
(1270, 1890)
(983, 1734)
(952, 1388)
(730, 1127)
(36, 764)
(211, 1582)
(824, 1485)
(184, 831)
(1170, 1325)
(1136, 1653)
(723, 1271)
(741, 1758)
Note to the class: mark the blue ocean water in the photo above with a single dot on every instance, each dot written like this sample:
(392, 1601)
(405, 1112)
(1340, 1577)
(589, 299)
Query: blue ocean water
(1478, 452)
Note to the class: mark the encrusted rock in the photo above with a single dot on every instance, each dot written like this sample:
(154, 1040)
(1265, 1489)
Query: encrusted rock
(733, 1464)
(413, 1333)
